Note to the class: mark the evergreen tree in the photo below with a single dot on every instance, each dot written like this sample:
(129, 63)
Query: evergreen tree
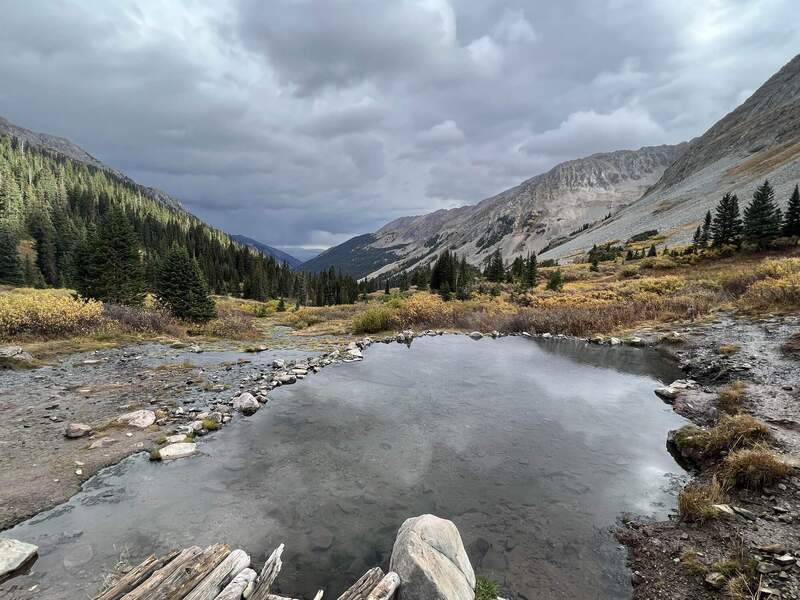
(791, 224)
(495, 269)
(10, 266)
(181, 288)
(531, 271)
(556, 281)
(387, 290)
(652, 251)
(726, 227)
(115, 265)
(281, 305)
(44, 245)
(697, 238)
(705, 232)
(594, 266)
(762, 220)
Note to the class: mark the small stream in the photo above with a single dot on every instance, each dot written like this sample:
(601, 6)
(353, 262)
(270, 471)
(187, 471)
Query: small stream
(534, 448)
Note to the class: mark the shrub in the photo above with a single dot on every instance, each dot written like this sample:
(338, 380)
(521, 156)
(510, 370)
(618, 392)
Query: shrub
(556, 281)
(428, 310)
(753, 468)
(629, 271)
(690, 560)
(730, 398)
(210, 425)
(486, 589)
(695, 501)
(732, 432)
(373, 320)
(47, 313)
(138, 319)
(767, 294)
(729, 349)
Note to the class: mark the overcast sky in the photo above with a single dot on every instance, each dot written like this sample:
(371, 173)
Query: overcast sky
(303, 123)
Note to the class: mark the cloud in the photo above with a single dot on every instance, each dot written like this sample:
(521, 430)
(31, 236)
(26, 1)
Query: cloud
(587, 132)
(302, 122)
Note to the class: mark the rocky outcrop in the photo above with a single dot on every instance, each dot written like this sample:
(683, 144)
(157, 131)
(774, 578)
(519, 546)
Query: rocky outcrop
(431, 561)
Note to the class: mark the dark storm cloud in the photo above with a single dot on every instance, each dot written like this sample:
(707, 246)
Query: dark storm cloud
(303, 122)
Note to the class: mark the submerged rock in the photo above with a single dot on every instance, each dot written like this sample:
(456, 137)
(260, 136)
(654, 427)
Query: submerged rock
(431, 561)
(14, 556)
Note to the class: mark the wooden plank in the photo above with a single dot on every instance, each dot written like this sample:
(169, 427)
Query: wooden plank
(361, 588)
(184, 579)
(136, 576)
(210, 587)
(236, 588)
(268, 575)
(386, 588)
(154, 581)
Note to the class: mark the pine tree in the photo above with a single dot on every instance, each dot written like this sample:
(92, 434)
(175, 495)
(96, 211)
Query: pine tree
(556, 281)
(10, 266)
(791, 224)
(387, 290)
(531, 271)
(495, 269)
(281, 306)
(705, 232)
(180, 287)
(652, 251)
(726, 227)
(696, 239)
(762, 221)
(115, 266)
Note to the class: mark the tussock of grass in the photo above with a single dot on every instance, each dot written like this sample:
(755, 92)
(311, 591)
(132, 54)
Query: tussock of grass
(486, 589)
(155, 455)
(695, 501)
(739, 431)
(730, 398)
(753, 468)
(727, 567)
(690, 561)
(729, 349)
(210, 425)
(738, 588)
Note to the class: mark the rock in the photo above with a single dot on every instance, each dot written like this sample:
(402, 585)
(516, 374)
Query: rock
(430, 559)
(256, 349)
(176, 439)
(773, 549)
(635, 341)
(785, 560)
(743, 512)
(102, 443)
(766, 568)
(14, 556)
(177, 345)
(355, 353)
(724, 511)
(138, 418)
(246, 404)
(77, 430)
(278, 363)
(15, 352)
(77, 555)
(598, 339)
(179, 450)
(666, 393)
(321, 539)
(614, 341)
(547, 336)
(715, 580)
(476, 335)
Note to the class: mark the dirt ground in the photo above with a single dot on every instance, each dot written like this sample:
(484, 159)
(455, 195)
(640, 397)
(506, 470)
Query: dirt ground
(771, 527)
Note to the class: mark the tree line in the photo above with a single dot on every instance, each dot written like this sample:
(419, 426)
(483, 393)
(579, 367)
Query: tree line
(109, 238)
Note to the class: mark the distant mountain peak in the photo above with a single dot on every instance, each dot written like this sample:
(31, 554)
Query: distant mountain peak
(267, 250)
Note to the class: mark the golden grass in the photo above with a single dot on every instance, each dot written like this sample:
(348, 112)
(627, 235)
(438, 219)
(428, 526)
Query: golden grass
(47, 313)
(730, 398)
(738, 588)
(753, 468)
(734, 432)
(695, 501)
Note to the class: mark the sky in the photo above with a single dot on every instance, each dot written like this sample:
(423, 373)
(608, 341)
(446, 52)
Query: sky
(302, 123)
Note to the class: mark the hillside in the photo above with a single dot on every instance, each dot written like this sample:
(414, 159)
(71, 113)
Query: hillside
(266, 250)
(759, 140)
(526, 218)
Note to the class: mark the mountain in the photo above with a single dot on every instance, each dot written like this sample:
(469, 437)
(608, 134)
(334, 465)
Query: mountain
(759, 140)
(555, 205)
(266, 250)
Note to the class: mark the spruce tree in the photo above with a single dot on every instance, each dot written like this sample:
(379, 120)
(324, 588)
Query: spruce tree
(705, 232)
(116, 267)
(10, 265)
(696, 239)
(726, 227)
(652, 251)
(387, 290)
(531, 271)
(791, 224)
(762, 220)
(556, 281)
(495, 270)
(181, 288)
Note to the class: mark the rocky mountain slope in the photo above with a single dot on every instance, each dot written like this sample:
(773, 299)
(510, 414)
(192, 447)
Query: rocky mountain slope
(268, 250)
(526, 218)
(758, 140)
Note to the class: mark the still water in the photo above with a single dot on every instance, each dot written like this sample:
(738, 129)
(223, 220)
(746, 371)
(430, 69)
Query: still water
(534, 448)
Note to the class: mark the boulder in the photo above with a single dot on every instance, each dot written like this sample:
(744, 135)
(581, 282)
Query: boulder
(179, 450)
(246, 404)
(355, 354)
(138, 418)
(15, 352)
(431, 561)
(77, 430)
(476, 335)
(15, 555)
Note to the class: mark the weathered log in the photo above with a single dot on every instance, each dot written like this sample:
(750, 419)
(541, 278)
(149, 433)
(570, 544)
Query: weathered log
(276, 597)
(318, 595)
(386, 588)
(236, 587)
(268, 575)
(210, 587)
(184, 579)
(153, 582)
(136, 576)
(361, 588)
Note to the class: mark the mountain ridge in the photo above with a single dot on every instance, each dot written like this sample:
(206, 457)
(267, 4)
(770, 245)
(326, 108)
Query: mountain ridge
(268, 250)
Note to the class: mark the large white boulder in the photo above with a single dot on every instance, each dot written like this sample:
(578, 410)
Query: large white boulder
(179, 450)
(138, 418)
(14, 555)
(431, 561)
(246, 403)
